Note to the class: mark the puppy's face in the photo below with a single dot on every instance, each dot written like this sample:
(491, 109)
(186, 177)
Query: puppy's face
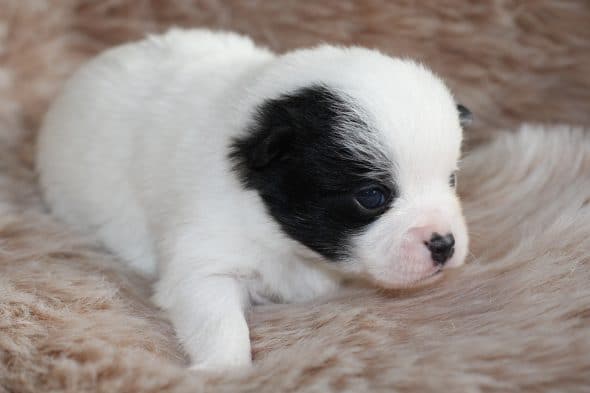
(366, 182)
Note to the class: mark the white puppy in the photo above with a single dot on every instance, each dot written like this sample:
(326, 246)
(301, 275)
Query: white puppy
(240, 177)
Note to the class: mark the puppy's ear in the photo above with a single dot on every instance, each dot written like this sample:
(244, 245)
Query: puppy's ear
(272, 145)
(465, 115)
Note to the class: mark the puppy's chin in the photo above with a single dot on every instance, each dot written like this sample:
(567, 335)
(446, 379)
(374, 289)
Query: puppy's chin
(388, 279)
(393, 279)
(412, 274)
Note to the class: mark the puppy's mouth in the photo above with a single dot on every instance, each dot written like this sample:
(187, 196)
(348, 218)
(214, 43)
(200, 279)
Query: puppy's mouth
(411, 283)
(429, 279)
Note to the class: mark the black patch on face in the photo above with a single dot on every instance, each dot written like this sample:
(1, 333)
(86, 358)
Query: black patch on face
(297, 155)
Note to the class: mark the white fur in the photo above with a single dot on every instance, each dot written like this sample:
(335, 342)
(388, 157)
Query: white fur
(135, 150)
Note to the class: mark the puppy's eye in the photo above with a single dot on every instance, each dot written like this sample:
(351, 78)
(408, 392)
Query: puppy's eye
(372, 197)
(453, 179)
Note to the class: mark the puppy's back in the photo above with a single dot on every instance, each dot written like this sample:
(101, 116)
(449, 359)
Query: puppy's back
(117, 115)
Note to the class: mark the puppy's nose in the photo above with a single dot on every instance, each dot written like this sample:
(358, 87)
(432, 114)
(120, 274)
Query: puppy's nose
(441, 247)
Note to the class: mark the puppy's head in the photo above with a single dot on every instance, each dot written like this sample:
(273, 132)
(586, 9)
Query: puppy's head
(354, 154)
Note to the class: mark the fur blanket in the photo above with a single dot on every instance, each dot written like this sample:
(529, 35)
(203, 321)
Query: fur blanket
(515, 318)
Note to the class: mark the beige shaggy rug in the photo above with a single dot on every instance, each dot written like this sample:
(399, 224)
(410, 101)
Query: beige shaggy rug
(516, 318)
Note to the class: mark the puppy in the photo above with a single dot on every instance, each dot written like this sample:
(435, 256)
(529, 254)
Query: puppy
(240, 177)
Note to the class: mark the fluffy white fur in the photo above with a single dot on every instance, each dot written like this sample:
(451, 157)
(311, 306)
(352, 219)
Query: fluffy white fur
(135, 150)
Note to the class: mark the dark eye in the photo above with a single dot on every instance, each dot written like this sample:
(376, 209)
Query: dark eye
(453, 179)
(372, 197)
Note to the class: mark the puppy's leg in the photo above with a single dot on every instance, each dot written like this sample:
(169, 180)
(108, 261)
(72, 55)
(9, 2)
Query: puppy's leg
(208, 315)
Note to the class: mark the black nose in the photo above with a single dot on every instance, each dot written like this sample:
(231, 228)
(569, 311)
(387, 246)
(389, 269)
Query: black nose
(441, 247)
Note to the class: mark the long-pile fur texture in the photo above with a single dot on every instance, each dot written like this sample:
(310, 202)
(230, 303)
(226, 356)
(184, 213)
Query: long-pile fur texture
(515, 318)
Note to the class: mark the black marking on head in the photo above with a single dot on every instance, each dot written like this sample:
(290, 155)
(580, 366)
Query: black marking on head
(308, 154)
(465, 115)
(453, 179)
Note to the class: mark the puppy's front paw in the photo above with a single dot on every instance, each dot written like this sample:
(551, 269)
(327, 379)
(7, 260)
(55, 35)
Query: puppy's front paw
(219, 368)
(220, 344)
(208, 315)
(219, 363)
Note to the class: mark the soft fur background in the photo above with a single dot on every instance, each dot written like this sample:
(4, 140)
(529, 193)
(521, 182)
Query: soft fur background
(516, 318)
